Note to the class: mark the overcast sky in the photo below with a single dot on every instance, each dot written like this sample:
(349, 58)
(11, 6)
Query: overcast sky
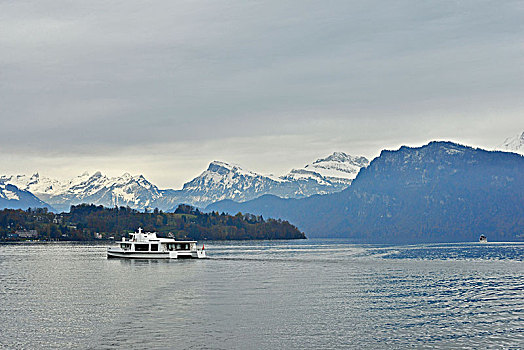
(161, 88)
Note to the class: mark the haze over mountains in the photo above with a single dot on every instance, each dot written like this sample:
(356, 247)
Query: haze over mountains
(220, 181)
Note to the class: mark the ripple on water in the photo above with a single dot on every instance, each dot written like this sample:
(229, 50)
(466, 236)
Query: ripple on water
(264, 295)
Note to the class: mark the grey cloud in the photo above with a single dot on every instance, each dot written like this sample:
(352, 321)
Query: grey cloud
(98, 79)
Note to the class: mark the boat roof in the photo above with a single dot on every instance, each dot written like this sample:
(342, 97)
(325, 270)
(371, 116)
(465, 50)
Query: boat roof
(145, 237)
(172, 240)
(161, 240)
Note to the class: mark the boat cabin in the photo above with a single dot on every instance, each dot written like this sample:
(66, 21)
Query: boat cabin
(158, 247)
(149, 242)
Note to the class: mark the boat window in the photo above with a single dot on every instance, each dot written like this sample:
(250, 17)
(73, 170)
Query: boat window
(125, 246)
(179, 246)
(154, 247)
(141, 247)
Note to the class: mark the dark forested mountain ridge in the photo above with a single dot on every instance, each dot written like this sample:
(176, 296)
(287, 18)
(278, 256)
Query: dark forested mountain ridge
(440, 192)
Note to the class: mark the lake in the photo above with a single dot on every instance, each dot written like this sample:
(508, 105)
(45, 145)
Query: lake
(304, 294)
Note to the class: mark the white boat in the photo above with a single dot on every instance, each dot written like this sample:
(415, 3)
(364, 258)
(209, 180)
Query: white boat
(146, 245)
(483, 239)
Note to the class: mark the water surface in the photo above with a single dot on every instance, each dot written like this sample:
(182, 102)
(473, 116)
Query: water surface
(306, 294)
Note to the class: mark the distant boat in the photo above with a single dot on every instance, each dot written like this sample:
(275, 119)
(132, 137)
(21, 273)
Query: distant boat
(483, 239)
(146, 245)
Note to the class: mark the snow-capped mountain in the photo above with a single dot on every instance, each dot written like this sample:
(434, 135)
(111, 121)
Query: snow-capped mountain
(230, 181)
(218, 182)
(338, 167)
(222, 180)
(514, 144)
(34, 183)
(126, 190)
(12, 197)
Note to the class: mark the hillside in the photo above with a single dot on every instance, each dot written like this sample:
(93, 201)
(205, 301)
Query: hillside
(12, 197)
(440, 192)
(86, 222)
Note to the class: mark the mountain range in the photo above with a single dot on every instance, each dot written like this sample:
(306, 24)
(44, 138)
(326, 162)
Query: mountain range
(229, 181)
(96, 189)
(11, 197)
(220, 181)
(440, 192)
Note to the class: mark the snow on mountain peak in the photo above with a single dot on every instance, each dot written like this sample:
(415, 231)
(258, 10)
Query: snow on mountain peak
(341, 157)
(8, 192)
(34, 184)
(305, 175)
(338, 165)
(336, 157)
(77, 180)
(223, 167)
(514, 144)
(220, 174)
(13, 197)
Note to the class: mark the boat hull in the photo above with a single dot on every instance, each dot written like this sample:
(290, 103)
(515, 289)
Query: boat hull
(156, 255)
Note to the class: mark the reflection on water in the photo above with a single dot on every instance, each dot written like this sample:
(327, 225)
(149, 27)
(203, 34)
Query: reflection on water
(265, 295)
